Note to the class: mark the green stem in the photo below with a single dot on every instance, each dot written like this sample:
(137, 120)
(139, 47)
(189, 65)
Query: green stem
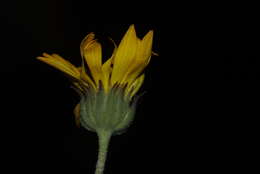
(103, 139)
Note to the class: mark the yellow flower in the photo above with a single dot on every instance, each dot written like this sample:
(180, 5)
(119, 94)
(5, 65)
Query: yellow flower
(124, 69)
(107, 105)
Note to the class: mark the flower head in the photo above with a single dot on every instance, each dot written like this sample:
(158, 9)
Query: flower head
(109, 86)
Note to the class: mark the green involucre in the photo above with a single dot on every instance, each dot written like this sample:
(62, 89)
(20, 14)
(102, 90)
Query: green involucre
(101, 111)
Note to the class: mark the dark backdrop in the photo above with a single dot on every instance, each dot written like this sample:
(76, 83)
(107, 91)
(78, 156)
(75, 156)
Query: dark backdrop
(196, 114)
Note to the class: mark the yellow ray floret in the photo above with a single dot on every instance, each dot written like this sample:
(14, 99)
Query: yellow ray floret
(93, 56)
(61, 64)
(124, 55)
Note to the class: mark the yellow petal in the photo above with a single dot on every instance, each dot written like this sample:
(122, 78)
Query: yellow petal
(61, 64)
(124, 55)
(72, 67)
(134, 64)
(90, 37)
(133, 88)
(76, 112)
(93, 55)
(114, 51)
(132, 77)
(142, 58)
(106, 72)
(107, 69)
(146, 49)
(85, 43)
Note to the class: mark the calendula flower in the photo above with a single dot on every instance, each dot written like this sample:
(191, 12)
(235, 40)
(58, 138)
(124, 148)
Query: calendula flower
(107, 104)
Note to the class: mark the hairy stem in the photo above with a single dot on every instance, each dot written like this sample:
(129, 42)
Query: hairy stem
(103, 139)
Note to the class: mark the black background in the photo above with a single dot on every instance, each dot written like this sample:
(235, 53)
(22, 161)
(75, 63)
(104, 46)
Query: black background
(197, 113)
